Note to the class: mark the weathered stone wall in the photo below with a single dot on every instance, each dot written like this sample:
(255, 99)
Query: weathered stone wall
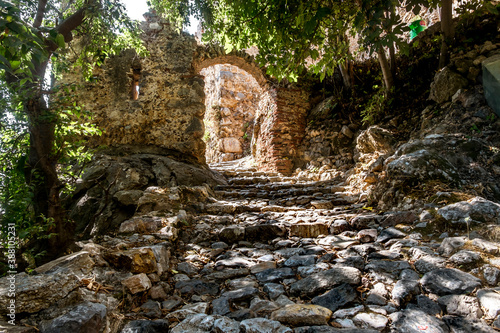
(167, 116)
(156, 104)
(232, 97)
(328, 142)
(279, 128)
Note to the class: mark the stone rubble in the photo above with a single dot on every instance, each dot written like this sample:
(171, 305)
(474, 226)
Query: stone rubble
(265, 257)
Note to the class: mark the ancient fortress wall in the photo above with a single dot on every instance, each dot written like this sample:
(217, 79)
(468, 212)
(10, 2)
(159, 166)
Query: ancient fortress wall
(156, 104)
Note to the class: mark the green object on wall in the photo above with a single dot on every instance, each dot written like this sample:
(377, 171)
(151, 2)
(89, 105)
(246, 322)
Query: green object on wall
(417, 27)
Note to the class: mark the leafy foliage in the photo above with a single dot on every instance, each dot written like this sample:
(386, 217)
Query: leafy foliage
(291, 36)
(41, 126)
(15, 195)
(375, 107)
(380, 25)
(177, 12)
(294, 36)
(20, 47)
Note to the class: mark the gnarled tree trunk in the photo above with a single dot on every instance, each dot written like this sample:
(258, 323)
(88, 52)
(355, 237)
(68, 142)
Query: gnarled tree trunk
(41, 175)
(41, 170)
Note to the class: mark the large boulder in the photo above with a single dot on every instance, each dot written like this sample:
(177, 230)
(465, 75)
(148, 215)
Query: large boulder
(84, 318)
(422, 165)
(323, 108)
(113, 187)
(424, 160)
(474, 210)
(446, 84)
(53, 281)
(491, 82)
(36, 292)
(375, 139)
(452, 159)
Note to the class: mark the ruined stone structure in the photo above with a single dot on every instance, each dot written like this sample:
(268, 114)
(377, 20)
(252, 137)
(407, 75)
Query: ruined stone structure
(166, 117)
(156, 104)
(232, 97)
(279, 128)
(281, 115)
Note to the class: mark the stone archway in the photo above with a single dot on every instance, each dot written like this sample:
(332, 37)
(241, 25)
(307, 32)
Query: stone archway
(280, 119)
(211, 55)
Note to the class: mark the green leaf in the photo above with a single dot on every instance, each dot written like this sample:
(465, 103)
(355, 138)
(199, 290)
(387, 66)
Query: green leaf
(14, 64)
(53, 33)
(23, 81)
(310, 26)
(4, 60)
(492, 9)
(314, 54)
(16, 27)
(322, 12)
(60, 41)
(6, 68)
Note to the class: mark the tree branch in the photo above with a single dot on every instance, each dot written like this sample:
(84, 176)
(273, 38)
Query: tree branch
(40, 13)
(71, 23)
(256, 15)
(67, 26)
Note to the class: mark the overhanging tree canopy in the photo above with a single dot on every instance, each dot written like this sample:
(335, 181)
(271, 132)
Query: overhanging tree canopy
(296, 35)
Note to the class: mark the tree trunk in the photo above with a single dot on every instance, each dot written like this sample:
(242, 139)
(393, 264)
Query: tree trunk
(392, 57)
(347, 75)
(386, 71)
(41, 167)
(447, 31)
(346, 70)
(42, 175)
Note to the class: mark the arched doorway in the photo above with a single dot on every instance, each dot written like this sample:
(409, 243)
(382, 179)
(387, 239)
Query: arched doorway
(280, 117)
(232, 98)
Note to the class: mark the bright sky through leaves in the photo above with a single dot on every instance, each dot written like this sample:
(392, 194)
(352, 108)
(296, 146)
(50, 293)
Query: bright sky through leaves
(137, 8)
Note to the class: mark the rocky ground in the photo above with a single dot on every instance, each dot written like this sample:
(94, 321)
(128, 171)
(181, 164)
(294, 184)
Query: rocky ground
(381, 232)
(274, 254)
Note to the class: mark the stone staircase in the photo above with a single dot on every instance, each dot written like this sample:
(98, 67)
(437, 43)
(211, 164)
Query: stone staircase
(273, 192)
(282, 254)
(276, 254)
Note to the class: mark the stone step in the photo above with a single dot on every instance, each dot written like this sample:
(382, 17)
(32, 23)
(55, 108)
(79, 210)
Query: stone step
(250, 180)
(236, 207)
(231, 208)
(286, 193)
(274, 186)
(242, 174)
(228, 169)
